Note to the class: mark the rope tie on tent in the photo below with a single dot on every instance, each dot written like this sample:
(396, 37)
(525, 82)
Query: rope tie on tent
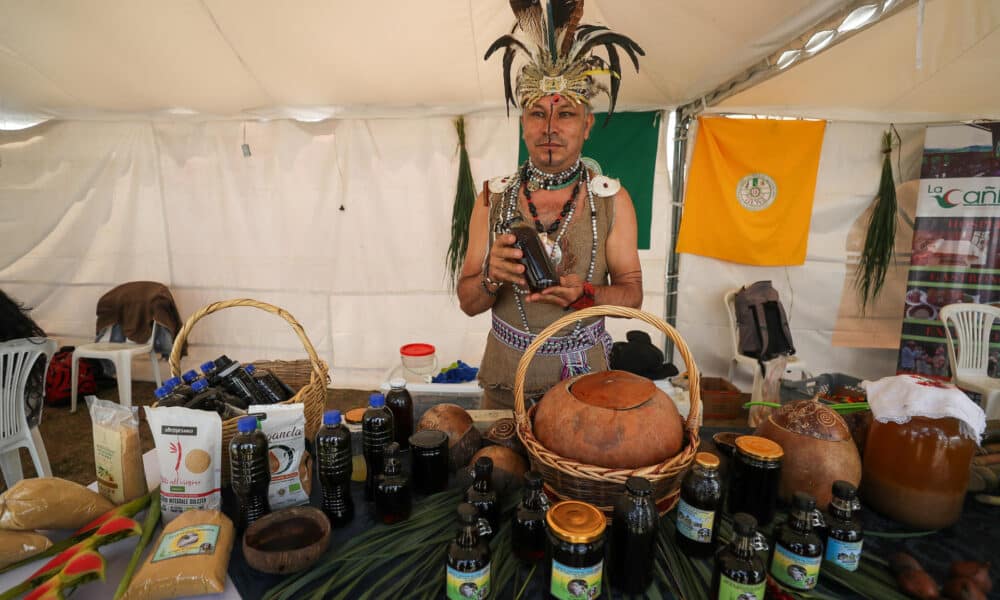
(920, 35)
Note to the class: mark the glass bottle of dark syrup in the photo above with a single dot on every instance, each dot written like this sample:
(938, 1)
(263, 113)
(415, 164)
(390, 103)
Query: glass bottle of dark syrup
(393, 498)
(482, 495)
(739, 571)
(798, 550)
(528, 532)
(844, 532)
(468, 571)
(701, 498)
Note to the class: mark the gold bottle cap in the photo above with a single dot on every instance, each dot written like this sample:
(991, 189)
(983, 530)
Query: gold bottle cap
(576, 522)
(759, 448)
(707, 460)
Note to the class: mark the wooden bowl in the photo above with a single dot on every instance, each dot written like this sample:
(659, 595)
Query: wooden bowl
(287, 541)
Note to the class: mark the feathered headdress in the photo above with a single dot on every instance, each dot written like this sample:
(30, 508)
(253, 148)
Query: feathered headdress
(560, 61)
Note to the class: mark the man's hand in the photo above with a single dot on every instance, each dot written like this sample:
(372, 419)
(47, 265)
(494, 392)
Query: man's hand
(504, 265)
(568, 291)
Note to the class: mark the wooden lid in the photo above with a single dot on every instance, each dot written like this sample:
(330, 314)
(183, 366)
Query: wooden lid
(618, 390)
(355, 415)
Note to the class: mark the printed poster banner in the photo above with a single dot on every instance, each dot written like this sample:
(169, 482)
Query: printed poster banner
(750, 190)
(956, 242)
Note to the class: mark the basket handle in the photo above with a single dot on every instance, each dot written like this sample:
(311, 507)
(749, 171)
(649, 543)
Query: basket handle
(694, 377)
(175, 355)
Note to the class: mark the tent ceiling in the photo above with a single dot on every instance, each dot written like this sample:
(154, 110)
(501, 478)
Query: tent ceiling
(312, 59)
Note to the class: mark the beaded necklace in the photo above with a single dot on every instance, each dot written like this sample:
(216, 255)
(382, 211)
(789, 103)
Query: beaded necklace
(540, 180)
(511, 204)
(565, 213)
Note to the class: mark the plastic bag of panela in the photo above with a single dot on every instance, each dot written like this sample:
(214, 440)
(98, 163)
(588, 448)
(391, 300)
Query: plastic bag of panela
(50, 503)
(16, 546)
(117, 452)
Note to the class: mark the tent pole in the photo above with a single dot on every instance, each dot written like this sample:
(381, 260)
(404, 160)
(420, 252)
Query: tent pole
(681, 126)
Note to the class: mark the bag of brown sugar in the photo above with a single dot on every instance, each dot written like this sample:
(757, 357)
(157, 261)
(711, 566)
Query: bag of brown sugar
(50, 503)
(117, 453)
(19, 545)
(189, 559)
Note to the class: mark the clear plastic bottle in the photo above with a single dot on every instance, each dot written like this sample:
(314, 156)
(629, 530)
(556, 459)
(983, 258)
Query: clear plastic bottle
(468, 572)
(633, 536)
(334, 465)
(482, 495)
(528, 531)
(401, 404)
(250, 471)
(376, 434)
(393, 497)
(739, 571)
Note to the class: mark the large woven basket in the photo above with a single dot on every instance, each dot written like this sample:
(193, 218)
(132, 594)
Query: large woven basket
(307, 376)
(566, 478)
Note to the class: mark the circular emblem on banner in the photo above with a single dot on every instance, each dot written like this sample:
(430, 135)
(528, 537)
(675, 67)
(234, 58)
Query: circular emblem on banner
(756, 191)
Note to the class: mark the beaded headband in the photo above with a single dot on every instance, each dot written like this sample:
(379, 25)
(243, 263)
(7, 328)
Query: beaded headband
(560, 61)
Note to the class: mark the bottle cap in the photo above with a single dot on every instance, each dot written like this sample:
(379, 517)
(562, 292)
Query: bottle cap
(844, 489)
(208, 366)
(173, 382)
(639, 486)
(223, 361)
(484, 465)
(744, 524)
(397, 383)
(199, 385)
(707, 460)
(376, 400)
(533, 480)
(392, 450)
(250, 369)
(161, 392)
(331, 418)
(576, 522)
(803, 501)
(759, 448)
(190, 376)
(467, 513)
(247, 424)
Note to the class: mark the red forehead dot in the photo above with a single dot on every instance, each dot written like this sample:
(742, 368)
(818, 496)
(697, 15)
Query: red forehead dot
(555, 99)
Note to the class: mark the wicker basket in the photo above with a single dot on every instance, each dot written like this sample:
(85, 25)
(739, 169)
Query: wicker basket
(308, 376)
(567, 478)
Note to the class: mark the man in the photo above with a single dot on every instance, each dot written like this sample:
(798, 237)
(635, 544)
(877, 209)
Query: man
(585, 221)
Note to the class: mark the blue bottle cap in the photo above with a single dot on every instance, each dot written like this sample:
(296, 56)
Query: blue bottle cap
(161, 392)
(331, 418)
(247, 424)
(199, 385)
(208, 366)
(250, 369)
(376, 400)
(190, 376)
(173, 382)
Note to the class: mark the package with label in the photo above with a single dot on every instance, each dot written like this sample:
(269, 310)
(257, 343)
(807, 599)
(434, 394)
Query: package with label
(189, 451)
(117, 452)
(189, 559)
(50, 503)
(285, 428)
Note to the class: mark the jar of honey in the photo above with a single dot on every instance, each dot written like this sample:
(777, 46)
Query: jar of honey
(916, 472)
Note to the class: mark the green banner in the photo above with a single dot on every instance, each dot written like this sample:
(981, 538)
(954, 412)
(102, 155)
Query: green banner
(626, 150)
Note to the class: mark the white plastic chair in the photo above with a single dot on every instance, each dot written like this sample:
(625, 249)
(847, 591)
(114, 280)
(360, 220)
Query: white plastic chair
(121, 354)
(17, 357)
(757, 393)
(972, 323)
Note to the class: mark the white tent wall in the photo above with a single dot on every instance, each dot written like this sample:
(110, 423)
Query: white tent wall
(89, 205)
(846, 184)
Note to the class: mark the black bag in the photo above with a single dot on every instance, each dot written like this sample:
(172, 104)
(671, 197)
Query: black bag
(762, 323)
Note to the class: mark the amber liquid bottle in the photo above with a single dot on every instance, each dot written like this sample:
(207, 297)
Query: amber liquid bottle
(538, 270)
(739, 572)
(633, 537)
(528, 531)
(844, 533)
(468, 572)
(393, 498)
(400, 403)
(798, 551)
(701, 498)
(482, 495)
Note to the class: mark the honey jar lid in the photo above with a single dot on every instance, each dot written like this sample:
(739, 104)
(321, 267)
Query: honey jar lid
(759, 448)
(576, 522)
(707, 460)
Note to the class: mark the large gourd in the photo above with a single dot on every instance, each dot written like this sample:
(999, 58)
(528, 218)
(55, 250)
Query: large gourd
(818, 450)
(610, 419)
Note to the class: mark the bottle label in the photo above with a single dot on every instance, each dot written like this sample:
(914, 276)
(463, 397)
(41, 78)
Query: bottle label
(846, 555)
(795, 571)
(576, 583)
(188, 541)
(733, 590)
(462, 586)
(694, 523)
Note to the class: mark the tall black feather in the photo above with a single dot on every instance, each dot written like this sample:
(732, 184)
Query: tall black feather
(584, 30)
(615, 65)
(630, 47)
(508, 91)
(502, 42)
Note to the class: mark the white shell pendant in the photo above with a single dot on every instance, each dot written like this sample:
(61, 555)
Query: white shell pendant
(551, 249)
(604, 186)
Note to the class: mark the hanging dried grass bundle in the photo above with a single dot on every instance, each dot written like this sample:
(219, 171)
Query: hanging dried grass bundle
(881, 236)
(461, 212)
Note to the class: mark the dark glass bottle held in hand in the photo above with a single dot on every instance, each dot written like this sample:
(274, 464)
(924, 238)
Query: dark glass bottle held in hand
(538, 269)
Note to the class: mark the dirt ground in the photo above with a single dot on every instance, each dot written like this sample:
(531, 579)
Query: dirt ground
(69, 440)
